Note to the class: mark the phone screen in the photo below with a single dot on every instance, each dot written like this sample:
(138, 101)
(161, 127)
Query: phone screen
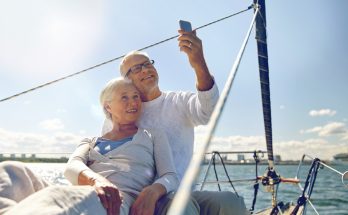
(185, 25)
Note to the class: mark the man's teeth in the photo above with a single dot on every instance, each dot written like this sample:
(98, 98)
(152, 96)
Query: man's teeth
(147, 77)
(132, 111)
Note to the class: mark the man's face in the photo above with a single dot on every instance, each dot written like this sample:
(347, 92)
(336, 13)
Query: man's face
(147, 78)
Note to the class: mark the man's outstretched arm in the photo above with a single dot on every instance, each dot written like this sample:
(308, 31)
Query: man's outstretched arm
(192, 46)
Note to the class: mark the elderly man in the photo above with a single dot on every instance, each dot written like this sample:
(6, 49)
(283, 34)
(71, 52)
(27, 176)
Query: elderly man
(177, 113)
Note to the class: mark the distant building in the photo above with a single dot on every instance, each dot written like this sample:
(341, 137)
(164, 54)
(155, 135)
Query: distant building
(22, 155)
(277, 158)
(12, 155)
(207, 158)
(240, 158)
(1, 155)
(341, 158)
(33, 155)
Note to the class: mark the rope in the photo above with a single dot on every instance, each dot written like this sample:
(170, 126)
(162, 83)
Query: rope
(256, 184)
(227, 175)
(216, 175)
(310, 181)
(183, 193)
(116, 58)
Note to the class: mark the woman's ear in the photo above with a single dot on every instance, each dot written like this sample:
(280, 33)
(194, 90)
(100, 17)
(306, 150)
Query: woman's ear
(107, 107)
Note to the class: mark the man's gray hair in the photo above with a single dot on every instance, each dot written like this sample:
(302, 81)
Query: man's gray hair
(123, 70)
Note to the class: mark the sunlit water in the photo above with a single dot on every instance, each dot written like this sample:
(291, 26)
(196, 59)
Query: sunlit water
(330, 196)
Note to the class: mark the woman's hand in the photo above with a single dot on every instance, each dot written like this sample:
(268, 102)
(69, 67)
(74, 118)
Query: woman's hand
(146, 202)
(106, 191)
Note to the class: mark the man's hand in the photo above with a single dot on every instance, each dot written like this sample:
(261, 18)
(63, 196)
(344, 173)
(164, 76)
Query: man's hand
(146, 202)
(192, 46)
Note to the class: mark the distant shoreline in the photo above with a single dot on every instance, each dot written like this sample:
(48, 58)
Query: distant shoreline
(36, 160)
(265, 162)
(226, 162)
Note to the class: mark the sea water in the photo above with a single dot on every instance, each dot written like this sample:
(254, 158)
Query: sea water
(329, 195)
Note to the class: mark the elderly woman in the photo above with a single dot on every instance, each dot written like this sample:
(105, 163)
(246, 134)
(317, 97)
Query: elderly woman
(128, 166)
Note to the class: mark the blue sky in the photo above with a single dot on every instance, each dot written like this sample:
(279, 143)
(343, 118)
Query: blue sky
(308, 57)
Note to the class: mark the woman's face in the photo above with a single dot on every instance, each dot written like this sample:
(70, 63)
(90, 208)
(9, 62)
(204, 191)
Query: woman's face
(125, 105)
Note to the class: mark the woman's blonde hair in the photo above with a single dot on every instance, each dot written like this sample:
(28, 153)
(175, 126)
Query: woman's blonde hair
(108, 90)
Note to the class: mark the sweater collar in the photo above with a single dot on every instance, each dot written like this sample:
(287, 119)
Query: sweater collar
(154, 102)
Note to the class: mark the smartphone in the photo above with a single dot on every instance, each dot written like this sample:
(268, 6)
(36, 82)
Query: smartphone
(185, 25)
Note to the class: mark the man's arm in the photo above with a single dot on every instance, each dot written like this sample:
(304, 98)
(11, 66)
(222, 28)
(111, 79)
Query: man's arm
(192, 46)
(167, 181)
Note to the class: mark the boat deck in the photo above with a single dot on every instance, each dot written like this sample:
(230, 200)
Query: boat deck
(287, 210)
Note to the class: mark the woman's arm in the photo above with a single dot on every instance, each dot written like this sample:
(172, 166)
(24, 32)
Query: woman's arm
(78, 173)
(77, 162)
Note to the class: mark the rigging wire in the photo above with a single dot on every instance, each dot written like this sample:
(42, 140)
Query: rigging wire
(116, 58)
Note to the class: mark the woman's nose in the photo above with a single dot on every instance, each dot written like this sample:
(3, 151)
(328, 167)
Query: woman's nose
(135, 102)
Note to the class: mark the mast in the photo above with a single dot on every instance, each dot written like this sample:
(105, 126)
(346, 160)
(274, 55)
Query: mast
(261, 39)
(271, 178)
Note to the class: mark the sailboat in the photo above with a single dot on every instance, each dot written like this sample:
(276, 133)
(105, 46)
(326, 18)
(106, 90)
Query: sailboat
(271, 178)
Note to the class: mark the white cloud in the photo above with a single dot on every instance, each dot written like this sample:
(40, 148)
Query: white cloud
(281, 107)
(333, 128)
(230, 143)
(288, 150)
(345, 137)
(52, 124)
(322, 112)
(20, 142)
(320, 148)
(63, 142)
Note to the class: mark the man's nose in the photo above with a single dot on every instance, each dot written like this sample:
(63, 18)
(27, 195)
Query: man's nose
(144, 69)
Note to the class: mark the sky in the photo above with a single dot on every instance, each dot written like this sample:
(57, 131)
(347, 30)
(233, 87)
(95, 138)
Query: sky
(43, 40)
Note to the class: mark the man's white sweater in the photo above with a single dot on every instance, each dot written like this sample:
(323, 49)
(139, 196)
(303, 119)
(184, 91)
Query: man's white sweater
(177, 113)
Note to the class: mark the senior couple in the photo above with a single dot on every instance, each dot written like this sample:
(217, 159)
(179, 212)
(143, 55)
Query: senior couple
(147, 143)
